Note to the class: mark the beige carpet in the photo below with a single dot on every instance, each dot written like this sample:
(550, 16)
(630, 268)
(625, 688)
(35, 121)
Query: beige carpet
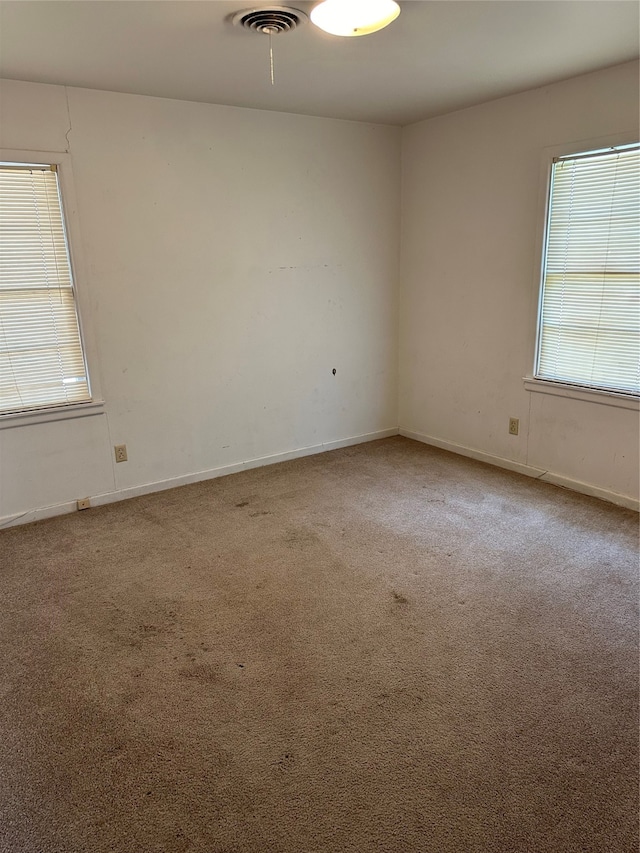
(383, 648)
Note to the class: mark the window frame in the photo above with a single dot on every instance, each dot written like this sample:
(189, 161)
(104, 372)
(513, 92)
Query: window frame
(95, 404)
(553, 387)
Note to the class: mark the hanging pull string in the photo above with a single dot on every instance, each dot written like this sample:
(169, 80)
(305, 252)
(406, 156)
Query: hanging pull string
(270, 31)
(273, 82)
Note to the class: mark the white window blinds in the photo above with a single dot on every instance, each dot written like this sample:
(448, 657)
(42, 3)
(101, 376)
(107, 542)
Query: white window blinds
(589, 331)
(41, 357)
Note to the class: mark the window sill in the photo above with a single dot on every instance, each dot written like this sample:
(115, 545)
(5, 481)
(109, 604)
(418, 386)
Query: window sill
(559, 389)
(55, 413)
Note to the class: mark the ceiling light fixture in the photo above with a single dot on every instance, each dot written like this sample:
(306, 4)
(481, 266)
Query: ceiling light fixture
(354, 17)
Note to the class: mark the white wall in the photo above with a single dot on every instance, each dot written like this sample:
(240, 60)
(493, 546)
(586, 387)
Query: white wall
(470, 218)
(232, 259)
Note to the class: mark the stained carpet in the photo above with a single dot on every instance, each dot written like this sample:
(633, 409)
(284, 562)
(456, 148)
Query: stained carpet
(383, 648)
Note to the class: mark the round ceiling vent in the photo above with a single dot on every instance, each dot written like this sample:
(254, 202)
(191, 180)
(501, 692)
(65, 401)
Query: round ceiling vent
(269, 19)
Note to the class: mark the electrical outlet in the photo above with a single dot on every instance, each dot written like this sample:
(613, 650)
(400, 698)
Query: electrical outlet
(120, 451)
(83, 503)
(514, 426)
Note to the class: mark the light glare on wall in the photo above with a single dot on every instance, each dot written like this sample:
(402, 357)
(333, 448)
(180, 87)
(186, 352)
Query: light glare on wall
(354, 17)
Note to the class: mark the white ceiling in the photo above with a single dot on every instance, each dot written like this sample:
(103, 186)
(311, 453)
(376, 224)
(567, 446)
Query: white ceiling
(436, 57)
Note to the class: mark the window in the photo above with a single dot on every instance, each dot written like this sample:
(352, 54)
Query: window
(589, 322)
(42, 361)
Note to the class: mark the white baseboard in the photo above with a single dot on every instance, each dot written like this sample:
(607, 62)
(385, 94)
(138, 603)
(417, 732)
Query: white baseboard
(528, 470)
(173, 482)
(186, 479)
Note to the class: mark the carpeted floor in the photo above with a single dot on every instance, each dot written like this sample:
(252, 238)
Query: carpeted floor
(384, 648)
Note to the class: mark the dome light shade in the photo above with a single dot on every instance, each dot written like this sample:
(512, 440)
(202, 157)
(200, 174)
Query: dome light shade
(354, 17)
